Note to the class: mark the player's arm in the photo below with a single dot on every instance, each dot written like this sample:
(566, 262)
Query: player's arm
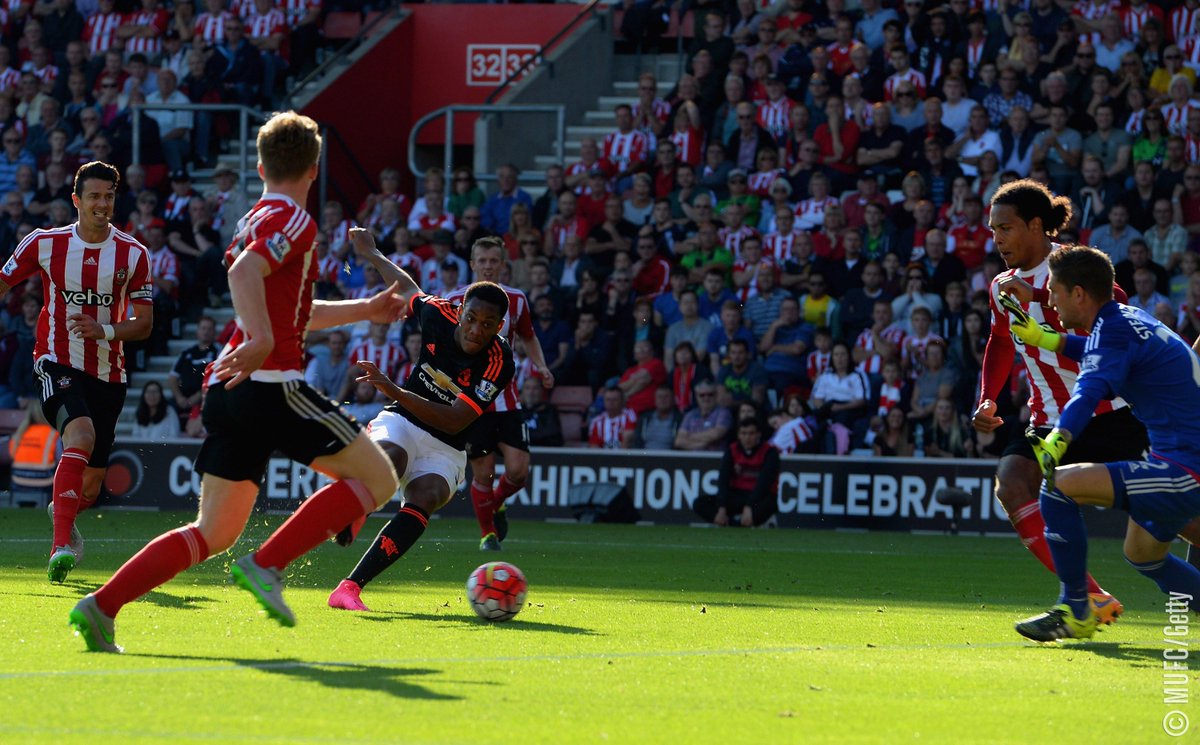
(386, 306)
(998, 357)
(364, 245)
(247, 286)
(450, 419)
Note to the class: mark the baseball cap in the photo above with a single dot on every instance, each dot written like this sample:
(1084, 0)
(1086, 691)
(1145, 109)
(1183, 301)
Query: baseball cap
(449, 264)
(180, 175)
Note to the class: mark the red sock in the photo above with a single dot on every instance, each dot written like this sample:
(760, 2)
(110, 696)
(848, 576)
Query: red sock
(483, 499)
(1032, 529)
(322, 515)
(161, 559)
(505, 490)
(68, 491)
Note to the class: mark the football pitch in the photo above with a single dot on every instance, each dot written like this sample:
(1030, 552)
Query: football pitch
(630, 635)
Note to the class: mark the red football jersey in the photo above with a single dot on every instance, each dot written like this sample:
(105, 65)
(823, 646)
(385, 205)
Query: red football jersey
(280, 231)
(100, 280)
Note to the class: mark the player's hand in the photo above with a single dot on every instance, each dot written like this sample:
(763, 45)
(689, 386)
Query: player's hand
(235, 367)
(363, 241)
(374, 376)
(84, 327)
(1017, 287)
(984, 419)
(1025, 328)
(1048, 452)
(547, 377)
(387, 306)
(722, 518)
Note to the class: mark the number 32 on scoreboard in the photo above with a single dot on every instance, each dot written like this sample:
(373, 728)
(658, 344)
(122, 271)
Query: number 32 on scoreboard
(491, 64)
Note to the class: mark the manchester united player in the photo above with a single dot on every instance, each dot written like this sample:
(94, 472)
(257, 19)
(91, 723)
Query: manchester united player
(465, 364)
(257, 402)
(1024, 217)
(502, 426)
(93, 276)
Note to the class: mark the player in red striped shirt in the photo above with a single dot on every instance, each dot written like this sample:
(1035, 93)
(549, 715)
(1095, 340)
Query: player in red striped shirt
(92, 277)
(257, 402)
(143, 31)
(100, 30)
(1024, 217)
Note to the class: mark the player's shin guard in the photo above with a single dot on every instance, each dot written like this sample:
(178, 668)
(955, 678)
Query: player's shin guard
(68, 491)
(1027, 521)
(161, 559)
(396, 538)
(1067, 538)
(483, 499)
(322, 515)
(1175, 577)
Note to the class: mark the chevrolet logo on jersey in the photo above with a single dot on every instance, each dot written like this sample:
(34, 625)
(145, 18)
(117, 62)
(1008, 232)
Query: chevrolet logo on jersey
(439, 383)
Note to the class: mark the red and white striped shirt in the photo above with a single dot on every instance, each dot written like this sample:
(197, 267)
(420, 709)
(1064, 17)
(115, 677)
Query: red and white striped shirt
(817, 363)
(1094, 10)
(759, 182)
(660, 108)
(1193, 148)
(444, 221)
(1176, 116)
(1133, 19)
(606, 431)
(387, 356)
(516, 321)
(776, 116)
(9, 79)
(560, 231)
(100, 280)
(779, 246)
(328, 268)
(1051, 375)
(1184, 23)
(295, 10)
(210, 27)
(751, 288)
(913, 353)
(916, 77)
(409, 262)
(625, 150)
(839, 56)
(100, 32)
(689, 146)
(164, 265)
(732, 238)
(975, 54)
(47, 74)
(792, 435)
(243, 8)
(893, 334)
(810, 213)
(889, 398)
(1134, 124)
(264, 26)
(581, 168)
(149, 45)
(280, 231)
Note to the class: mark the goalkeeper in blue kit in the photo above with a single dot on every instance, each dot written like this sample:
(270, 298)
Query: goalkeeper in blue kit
(1129, 354)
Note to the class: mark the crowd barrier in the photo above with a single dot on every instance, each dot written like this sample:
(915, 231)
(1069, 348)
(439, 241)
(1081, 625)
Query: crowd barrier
(814, 491)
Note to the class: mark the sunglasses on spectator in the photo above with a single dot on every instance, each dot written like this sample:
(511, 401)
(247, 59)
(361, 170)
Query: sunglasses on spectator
(12, 140)
(705, 395)
(1191, 178)
(529, 243)
(917, 276)
(1168, 56)
(808, 150)
(745, 116)
(1084, 55)
(905, 94)
(737, 180)
(1025, 24)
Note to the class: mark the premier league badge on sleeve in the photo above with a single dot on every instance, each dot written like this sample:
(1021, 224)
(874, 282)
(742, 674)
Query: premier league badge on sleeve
(486, 390)
(279, 245)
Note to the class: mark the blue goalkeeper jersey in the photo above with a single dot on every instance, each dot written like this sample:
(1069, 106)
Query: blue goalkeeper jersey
(1132, 355)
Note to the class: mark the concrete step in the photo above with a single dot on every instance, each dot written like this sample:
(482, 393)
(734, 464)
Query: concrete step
(609, 103)
(630, 87)
(600, 119)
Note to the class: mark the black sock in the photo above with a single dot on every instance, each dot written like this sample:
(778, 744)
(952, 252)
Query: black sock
(1193, 555)
(396, 538)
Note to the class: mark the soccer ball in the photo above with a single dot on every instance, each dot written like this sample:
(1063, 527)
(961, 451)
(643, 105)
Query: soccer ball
(496, 591)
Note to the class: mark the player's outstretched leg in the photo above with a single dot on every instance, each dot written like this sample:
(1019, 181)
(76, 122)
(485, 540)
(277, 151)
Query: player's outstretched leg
(393, 541)
(1058, 623)
(76, 541)
(68, 490)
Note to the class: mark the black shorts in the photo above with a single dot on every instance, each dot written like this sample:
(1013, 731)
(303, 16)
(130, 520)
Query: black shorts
(495, 427)
(68, 394)
(252, 421)
(1107, 438)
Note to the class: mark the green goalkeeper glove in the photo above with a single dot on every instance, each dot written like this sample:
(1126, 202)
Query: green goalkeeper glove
(1026, 329)
(1048, 452)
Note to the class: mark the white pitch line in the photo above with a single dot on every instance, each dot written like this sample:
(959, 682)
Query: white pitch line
(533, 543)
(661, 654)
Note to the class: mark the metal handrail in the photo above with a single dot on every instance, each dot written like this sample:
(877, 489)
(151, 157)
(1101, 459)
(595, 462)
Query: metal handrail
(244, 114)
(342, 52)
(331, 135)
(587, 10)
(448, 147)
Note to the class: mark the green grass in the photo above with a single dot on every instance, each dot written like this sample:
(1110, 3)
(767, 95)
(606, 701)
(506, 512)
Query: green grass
(632, 635)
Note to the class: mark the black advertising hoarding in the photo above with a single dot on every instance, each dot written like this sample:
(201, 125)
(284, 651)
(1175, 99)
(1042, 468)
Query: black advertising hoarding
(814, 491)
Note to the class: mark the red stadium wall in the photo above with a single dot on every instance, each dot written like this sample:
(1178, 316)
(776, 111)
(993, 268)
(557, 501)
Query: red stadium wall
(438, 56)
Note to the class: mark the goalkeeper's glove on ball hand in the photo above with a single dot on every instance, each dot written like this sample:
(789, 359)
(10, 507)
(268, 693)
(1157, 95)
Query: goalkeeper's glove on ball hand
(1025, 328)
(1048, 452)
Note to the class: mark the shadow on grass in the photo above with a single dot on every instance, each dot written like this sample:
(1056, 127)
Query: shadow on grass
(185, 602)
(474, 621)
(1137, 655)
(395, 681)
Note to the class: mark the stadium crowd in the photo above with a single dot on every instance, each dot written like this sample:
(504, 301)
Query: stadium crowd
(796, 233)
